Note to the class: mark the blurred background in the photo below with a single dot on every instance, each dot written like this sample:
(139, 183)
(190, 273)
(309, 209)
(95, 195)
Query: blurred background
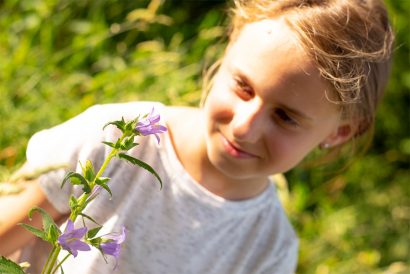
(58, 57)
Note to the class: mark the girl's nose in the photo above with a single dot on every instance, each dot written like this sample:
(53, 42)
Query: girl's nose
(248, 122)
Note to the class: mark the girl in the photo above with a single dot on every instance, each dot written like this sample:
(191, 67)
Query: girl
(296, 75)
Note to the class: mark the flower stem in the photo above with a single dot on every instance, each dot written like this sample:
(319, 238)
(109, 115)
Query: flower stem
(82, 200)
(104, 165)
(43, 271)
(54, 258)
(51, 260)
(62, 261)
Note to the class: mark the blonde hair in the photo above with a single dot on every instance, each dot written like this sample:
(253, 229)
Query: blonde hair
(351, 43)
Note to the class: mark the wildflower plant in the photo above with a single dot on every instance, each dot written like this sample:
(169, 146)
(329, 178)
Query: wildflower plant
(81, 239)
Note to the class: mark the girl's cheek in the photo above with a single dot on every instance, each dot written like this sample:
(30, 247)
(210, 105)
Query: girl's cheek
(224, 105)
(221, 97)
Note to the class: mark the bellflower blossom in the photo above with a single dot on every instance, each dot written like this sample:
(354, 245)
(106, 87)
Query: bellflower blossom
(149, 125)
(111, 244)
(70, 239)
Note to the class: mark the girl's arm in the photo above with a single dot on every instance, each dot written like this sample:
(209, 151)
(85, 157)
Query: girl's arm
(14, 209)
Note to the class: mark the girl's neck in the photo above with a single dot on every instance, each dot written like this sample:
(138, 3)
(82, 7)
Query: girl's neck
(188, 140)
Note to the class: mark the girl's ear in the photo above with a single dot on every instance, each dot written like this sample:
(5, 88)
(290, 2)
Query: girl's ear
(342, 134)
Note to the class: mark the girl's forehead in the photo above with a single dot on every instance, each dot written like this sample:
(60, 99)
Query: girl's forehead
(270, 57)
(270, 41)
(270, 47)
(269, 31)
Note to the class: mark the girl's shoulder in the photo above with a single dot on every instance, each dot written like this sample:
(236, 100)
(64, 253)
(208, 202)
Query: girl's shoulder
(178, 113)
(185, 128)
(180, 119)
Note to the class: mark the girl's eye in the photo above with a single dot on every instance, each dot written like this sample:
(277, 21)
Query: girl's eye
(285, 118)
(243, 89)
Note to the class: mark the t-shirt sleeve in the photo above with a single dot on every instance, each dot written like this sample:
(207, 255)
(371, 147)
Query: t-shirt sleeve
(60, 149)
(287, 262)
(66, 146)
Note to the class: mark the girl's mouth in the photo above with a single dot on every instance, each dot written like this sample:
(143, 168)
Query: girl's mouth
(235, 151)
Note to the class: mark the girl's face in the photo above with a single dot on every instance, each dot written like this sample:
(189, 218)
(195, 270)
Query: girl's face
(267, 108)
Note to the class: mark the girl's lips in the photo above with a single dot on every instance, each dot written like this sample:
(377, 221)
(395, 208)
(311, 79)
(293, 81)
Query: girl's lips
(234, 151)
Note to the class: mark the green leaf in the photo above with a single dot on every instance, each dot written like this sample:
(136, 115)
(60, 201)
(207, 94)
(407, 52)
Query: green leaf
(129, 127)
(53, 233)
(37, 232)
(119, 124)
(117, 144)
(88, 171)
(88, 217)
(9, 267)
(101, 180)
(49, 226)
(140, 163)
(67, 178)
(73, 203)
(128, 143)
(96, 242)
(77, 179)
(105, 186)
(93, 232)
(110, 144)
(74, 206)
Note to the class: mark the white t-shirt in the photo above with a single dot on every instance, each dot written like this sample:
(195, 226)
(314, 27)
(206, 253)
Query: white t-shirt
(181, 228)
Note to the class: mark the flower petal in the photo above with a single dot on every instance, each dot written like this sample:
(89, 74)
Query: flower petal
(70, 239)
(79, 245)
(78, 233)
(111, 248)
(69, 227)
(150, 125)
(154, 119)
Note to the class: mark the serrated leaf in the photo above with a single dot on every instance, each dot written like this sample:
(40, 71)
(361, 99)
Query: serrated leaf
(142, 164)
(37, 232)
(119, 124)
(48, 222)
(77, 179)
(129, 126)
(109, 144)
(9, 267)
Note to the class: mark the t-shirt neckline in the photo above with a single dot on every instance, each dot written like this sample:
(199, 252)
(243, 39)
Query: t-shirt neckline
(186, 183)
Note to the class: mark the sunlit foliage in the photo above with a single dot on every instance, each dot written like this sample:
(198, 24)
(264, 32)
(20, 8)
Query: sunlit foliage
(59, 57)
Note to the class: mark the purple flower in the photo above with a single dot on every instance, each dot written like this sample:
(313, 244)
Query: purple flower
(111, 244)
(149, 125)
(70, 239)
